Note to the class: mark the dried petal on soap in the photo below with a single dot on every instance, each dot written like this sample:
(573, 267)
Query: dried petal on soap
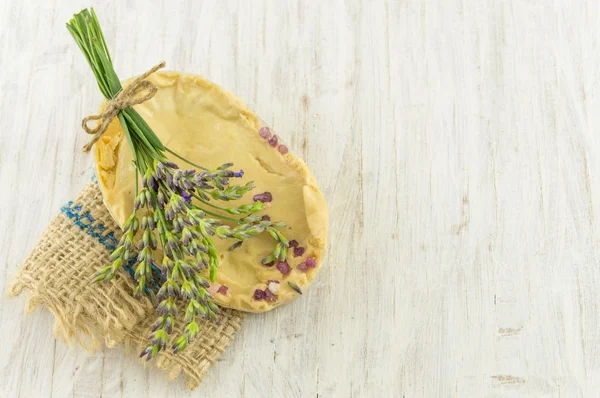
(259, 294)
(311, 262)
(294, 243)
(298, 251)
(273, 141)
(284, 267)
(302, 267)
(265, 132)
(223, 289)
(265, 197)
(283, 149)
(265, 218)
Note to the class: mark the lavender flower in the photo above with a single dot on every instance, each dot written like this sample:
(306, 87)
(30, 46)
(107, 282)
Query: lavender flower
(169, 207)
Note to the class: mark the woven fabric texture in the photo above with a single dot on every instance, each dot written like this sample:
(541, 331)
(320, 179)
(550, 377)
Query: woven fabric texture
(57, 275)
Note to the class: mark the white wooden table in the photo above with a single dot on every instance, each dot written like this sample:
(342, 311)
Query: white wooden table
(458, 145)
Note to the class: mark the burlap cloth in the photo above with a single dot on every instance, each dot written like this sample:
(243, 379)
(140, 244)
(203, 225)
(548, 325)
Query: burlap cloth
(57, 275)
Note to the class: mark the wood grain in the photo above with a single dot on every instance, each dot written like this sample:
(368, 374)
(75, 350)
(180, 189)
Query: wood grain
(456, 142)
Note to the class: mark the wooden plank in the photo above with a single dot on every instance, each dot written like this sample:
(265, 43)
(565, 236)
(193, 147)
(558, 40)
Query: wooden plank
(455, 141)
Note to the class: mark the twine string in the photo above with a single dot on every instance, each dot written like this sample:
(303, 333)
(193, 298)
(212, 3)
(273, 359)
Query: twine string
(140, 90)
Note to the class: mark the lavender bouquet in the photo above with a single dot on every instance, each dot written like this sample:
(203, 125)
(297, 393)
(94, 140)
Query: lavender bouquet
(174, 211)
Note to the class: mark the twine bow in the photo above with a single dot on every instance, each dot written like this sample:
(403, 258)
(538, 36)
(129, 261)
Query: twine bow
(138, 91)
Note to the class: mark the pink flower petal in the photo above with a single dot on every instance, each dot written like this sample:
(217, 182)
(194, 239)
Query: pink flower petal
(273, 141)
(223, 289)
(283, 149)
(302, 267)
(284, 267)
(265, 132)
(298, 251)
(259, 294)
(311, 262)
(213, 288)
(265, 197)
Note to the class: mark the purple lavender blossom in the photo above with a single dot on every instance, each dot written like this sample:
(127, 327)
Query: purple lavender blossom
(186, 195)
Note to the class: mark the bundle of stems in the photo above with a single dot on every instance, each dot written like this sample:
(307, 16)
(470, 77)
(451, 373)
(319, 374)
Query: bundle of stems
(174, 213)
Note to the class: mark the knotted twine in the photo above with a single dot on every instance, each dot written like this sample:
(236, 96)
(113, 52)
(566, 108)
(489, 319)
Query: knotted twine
(140, 90)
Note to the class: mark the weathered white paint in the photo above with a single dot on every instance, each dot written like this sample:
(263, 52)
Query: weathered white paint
(457, 144)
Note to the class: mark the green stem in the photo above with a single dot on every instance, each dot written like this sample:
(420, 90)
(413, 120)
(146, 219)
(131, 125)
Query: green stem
(218, 215)
(185, 160)
(211, 213)
(206, 202)
(137, 172)
(163, 220)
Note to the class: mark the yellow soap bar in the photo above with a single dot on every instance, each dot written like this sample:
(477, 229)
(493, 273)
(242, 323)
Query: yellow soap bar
(209, 126)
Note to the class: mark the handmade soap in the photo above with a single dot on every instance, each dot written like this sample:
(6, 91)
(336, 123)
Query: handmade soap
(210, 126)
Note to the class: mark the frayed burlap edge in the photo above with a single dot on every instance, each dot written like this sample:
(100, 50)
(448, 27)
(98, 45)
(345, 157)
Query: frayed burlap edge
(57, 275)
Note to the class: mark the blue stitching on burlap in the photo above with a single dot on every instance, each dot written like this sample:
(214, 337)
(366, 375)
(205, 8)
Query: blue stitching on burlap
(109, 241)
